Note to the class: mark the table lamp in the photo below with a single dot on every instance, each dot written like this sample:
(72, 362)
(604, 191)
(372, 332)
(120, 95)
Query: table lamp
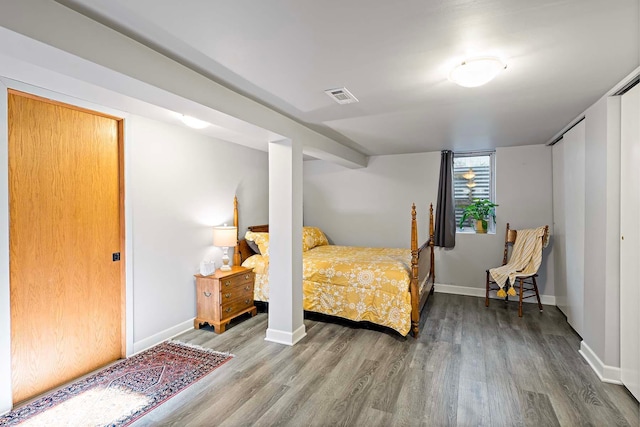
(225, 237)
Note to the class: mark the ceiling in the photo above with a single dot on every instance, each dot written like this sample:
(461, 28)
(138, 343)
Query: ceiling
(562, 55)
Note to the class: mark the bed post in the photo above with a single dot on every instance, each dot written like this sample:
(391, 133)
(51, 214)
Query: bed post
(415, 297)
(432, 243)
(236, 250)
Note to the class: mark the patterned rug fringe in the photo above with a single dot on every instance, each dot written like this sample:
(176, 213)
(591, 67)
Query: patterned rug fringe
(199, 347)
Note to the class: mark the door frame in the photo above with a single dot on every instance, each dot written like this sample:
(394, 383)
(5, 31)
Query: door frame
(6, 84)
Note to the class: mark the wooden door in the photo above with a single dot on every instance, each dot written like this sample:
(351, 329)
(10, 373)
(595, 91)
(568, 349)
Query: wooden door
(65, 224)
(630, 241)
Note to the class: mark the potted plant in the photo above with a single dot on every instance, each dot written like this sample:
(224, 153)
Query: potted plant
(480, 210)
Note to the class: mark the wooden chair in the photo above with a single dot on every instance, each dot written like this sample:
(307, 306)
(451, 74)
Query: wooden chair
(526, 283)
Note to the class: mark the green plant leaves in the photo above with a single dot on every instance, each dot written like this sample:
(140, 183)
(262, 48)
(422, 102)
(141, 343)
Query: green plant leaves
(480, 210)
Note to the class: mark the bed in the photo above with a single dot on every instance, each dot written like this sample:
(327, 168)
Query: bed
(385, 286)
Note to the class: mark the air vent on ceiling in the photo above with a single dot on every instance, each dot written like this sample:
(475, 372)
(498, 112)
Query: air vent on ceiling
(341, 95)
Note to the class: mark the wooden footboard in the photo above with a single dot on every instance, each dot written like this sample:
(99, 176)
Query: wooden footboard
(422, 270)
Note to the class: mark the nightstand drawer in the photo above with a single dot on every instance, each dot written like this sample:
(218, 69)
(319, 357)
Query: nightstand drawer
(228, 283)
(235, 306)
(245, 290)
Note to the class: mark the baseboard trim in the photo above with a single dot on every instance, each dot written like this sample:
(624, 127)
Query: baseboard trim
(607, 374)
(162, 336)
(479, 292)
(284, 337)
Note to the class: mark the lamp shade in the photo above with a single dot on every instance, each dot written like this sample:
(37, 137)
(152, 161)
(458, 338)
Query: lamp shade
(225, 236)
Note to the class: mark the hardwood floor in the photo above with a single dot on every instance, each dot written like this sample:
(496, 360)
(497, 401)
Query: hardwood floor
(471, 366)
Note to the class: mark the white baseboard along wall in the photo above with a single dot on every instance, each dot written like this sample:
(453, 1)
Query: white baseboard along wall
(480, 292)
(607, 374)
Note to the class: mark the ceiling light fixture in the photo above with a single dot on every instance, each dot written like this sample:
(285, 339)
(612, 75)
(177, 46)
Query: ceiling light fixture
(194, 123)
(477, 71)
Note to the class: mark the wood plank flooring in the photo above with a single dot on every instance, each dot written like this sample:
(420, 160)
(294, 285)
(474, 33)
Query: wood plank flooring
(471, 366)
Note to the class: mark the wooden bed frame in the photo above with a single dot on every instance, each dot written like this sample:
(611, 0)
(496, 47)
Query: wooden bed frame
(422, 262)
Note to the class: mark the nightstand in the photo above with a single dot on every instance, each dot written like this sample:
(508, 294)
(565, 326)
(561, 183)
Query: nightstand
(224, 296)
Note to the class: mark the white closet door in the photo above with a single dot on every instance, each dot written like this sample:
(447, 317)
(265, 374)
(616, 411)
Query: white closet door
(559, 238)
(574, 221)
(630, 242)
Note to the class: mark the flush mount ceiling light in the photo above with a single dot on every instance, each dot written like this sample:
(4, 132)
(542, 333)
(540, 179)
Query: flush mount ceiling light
(192, 122)
(475, 72)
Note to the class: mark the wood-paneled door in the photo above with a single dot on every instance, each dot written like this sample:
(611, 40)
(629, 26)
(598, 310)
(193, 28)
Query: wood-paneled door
(66, 222)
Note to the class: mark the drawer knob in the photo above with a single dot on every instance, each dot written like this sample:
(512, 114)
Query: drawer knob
(227, 295)
(246, 276)
(227, 283)
(246, 288)
(207, 294)
(247, 301)
(228, 309)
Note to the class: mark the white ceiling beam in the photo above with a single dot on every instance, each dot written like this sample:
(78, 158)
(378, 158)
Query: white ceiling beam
(60, 27)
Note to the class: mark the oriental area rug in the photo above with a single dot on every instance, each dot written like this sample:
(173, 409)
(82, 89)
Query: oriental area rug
(123, 392)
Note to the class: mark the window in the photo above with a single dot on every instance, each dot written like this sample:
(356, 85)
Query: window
(472, 179)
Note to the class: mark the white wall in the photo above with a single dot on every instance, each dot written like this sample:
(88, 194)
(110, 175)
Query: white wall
(182, 184)
(371, 207)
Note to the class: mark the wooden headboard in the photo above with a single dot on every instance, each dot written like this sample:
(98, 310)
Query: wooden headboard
(242, 251)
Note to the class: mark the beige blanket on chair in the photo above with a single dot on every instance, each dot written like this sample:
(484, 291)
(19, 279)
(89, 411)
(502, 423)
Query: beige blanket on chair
(525, 259)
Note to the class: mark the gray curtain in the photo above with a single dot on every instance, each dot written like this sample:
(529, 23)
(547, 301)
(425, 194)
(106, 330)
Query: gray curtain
(445, 227)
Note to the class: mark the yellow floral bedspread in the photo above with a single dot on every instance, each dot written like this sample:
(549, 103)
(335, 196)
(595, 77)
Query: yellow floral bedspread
(355, 283)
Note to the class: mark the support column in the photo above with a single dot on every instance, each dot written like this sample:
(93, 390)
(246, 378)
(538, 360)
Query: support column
(286, 324)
